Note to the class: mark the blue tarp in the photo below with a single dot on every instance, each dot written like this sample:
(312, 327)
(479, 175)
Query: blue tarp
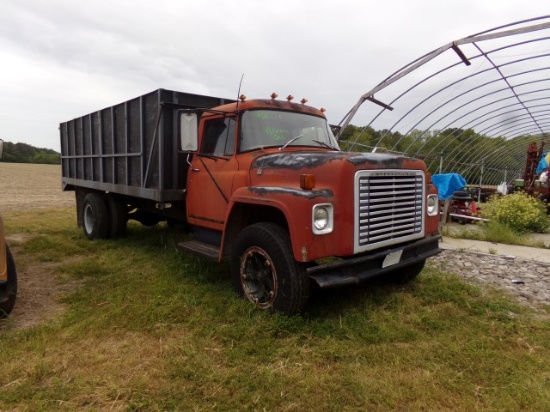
(447, 184)
(543, 163)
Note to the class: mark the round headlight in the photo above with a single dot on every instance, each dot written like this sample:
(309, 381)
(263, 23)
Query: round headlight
(320, 218)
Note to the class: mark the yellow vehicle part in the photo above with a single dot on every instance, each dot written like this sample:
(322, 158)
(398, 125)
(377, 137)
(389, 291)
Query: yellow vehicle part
(3, 257)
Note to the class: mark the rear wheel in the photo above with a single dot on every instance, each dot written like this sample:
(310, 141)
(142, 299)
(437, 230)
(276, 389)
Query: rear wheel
(118, 215)
(264, 270)
(95, 217)
(8, 290)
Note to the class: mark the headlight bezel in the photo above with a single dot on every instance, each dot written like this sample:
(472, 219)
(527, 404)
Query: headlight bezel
(432, 205)
(322, 218)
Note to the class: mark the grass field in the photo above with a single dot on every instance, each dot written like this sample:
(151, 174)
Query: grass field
(142, 326)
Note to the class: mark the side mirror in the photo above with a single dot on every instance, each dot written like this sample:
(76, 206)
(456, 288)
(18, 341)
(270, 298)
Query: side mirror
(188, 131)
(1, 147)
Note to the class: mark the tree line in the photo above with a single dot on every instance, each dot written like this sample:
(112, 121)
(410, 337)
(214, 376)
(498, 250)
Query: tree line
(24, 153)
(474, 156)
(477, 157)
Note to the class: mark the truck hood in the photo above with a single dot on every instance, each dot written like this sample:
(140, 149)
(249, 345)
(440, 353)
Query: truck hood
(312, 160)
(334, 171)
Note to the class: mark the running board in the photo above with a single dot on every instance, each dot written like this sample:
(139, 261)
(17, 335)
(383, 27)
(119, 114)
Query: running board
(200, 248)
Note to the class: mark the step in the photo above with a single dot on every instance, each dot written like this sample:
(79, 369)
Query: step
(200, 248)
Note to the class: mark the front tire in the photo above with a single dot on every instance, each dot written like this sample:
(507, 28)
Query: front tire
(8, 290)
(95, 217)
(264, 271)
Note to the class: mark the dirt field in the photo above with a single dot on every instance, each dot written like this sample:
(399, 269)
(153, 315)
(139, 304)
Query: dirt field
(32, 186)
(26, 187)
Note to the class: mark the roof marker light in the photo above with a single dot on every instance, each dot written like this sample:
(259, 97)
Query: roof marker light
(290, 97)
(303, 101)
(242, 97)
(274, 95)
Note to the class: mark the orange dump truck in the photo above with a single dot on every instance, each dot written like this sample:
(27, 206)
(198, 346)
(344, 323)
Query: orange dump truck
(261, 184)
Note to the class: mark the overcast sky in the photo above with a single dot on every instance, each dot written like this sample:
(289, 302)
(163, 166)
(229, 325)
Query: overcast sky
(61, 59)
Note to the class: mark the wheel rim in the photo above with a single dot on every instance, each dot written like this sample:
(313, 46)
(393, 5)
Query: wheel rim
(89, 219)
(258, 277)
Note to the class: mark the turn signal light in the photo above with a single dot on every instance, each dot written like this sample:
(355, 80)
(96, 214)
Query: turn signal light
(307, 181)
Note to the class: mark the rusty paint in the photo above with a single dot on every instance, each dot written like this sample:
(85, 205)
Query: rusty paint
(254, 276)
(269, 104)
(378, 160)
(295, 160)
(308, 194)
(300, 160)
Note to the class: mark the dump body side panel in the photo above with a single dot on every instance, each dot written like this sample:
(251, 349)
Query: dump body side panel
(130, 148)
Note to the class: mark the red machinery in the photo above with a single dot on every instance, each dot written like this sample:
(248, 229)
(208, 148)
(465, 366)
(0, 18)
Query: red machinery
(462, 207)
(530, 185)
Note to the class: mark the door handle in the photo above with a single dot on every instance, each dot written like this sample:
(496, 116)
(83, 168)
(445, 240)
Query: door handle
(194, 169)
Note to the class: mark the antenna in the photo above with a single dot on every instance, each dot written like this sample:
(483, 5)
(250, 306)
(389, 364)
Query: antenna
(239, 92)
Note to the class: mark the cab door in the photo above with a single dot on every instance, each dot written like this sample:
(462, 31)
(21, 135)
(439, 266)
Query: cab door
(210, 177)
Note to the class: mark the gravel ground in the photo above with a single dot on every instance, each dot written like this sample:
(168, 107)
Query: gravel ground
(527, 280)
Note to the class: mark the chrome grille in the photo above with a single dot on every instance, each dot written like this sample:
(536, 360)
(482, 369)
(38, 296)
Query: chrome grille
(389, 207)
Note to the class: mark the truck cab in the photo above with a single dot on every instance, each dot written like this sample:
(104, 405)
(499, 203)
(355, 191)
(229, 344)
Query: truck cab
(270, 173)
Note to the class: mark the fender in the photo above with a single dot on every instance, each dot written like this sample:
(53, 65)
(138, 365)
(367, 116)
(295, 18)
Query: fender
(294, 203)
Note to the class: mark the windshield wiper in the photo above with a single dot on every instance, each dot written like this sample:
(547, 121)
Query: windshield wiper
(290, 141)
(324, 144)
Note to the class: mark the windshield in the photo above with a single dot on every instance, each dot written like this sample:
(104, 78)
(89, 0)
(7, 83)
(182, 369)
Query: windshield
(268, 128)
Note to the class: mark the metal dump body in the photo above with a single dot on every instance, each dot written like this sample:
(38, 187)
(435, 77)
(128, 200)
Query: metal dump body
(130, 148)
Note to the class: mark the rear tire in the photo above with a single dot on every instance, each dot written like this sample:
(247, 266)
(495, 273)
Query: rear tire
(95, 217)
(119, 217)
(264, 270)
(8, 291)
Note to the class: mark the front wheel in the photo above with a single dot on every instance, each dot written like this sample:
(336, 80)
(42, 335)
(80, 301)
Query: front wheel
(8, 290)
(264, 271)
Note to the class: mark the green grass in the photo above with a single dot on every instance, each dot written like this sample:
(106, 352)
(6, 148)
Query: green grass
(150, 328)
(494, 232)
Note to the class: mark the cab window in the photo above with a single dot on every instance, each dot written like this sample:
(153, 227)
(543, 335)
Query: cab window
(219, 137)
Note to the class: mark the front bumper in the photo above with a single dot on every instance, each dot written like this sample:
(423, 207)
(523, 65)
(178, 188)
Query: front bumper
(357, 269)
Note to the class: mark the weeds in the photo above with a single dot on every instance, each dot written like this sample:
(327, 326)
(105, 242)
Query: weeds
(494, 232)
(519, 211)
